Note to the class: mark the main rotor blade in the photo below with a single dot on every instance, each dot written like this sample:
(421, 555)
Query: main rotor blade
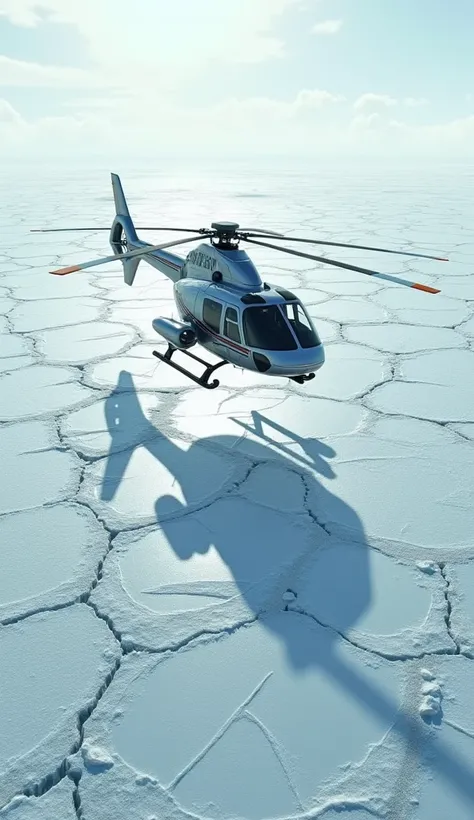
(138, 252)
(258, 232)
(57, 230)
(345, 245)
(346, 266)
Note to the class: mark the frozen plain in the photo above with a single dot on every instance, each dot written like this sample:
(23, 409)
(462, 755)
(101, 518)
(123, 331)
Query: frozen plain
(254, 602)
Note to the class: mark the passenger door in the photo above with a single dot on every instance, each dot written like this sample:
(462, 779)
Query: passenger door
(232, 331)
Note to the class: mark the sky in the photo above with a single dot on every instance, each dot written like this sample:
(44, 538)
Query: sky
(317, 78)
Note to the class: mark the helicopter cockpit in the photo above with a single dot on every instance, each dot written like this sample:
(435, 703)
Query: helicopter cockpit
(279, 327)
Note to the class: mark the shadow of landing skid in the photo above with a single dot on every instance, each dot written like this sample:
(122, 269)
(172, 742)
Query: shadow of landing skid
(247, 553)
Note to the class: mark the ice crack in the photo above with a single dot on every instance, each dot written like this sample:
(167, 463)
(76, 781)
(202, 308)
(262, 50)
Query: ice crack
(449, 608)
(388, 656)
(235, 716)
(65, 769)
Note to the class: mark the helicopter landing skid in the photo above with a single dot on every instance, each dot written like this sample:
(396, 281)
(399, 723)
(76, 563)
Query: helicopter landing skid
(303, 379)
(203, 380)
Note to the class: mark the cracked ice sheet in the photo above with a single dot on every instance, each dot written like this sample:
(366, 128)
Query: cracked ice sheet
(56, 804)
(467, 328)
(120, 421)
(207, 571)
(268, 423)
(447, 763)
(62, 546)
(141, 316)
(192, 574)
(387, 221)
(460, 287)
(41, 285)
(84, 343)
(350, 371)
(371, 472)
(12, 346)
(139, 364)
(391, 338)
(415, 307)
(29, 454)
(357, 591)
(15, 363)
(436, 386)
(49, 313)
(466, 430)
(461, 595)
(349, 310)
(281, 687)
(39, 390)
(6, 304)
(162, 477)
(53, 665)
(148, 287)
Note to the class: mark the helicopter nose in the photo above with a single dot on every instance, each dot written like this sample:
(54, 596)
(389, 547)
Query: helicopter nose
(295, 363)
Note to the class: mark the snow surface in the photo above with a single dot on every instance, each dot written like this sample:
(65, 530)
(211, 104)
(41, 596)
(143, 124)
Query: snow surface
(254, 602)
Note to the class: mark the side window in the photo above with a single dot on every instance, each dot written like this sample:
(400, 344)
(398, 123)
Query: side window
(211, 314)
(231, 325)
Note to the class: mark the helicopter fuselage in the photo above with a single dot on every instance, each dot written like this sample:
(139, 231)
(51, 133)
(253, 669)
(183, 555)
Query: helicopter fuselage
(236, 316)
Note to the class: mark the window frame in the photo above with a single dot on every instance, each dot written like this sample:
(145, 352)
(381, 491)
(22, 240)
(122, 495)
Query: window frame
(234, 323)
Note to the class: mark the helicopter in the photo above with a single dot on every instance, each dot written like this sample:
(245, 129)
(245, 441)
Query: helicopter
(223, 304)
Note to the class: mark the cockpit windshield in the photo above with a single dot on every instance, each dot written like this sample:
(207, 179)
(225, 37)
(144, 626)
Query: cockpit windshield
(268, 328)
(301, 324)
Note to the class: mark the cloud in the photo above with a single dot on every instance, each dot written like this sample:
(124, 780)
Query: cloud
(414, 102)
(237, 128)
(313, 124)
(234, 117)
(29, 75)
(371, 100)
(327, 27)
(261, 108)
(376, 135)
(384, 101)
(178, 36)
(8, 114)
(20, 12)
(165, 54)
(451, 135)
(244, 126)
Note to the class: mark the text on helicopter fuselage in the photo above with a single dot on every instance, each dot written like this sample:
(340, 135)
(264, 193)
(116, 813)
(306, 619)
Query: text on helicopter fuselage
(202, 260)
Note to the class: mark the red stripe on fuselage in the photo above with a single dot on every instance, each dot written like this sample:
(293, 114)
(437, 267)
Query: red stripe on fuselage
(167, 262)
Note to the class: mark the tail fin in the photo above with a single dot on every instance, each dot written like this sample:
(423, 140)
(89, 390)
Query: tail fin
(123, 233)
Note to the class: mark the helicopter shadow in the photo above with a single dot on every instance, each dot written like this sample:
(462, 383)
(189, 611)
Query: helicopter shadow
(251, 543)
(250, 553)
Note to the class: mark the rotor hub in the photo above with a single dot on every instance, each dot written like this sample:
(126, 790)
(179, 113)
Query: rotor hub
(225, 235)
(225, 229)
